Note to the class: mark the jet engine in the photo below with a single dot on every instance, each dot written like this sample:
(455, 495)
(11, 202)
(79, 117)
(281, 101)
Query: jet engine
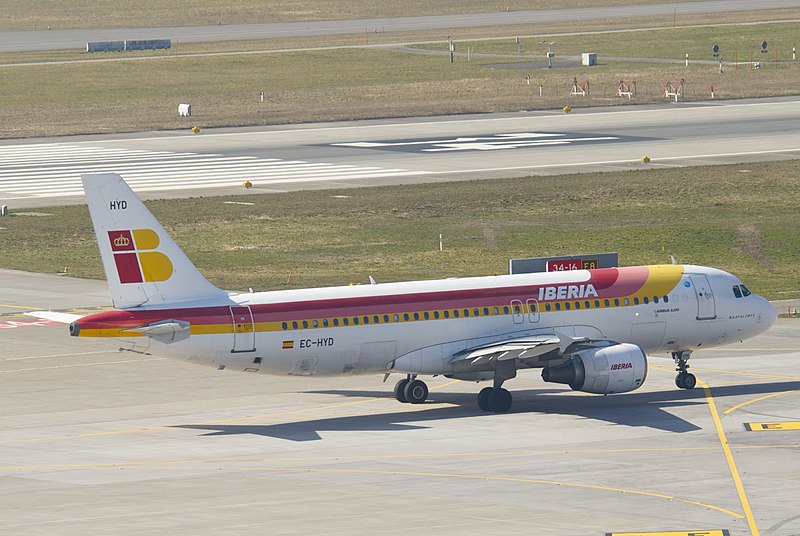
(617, 368)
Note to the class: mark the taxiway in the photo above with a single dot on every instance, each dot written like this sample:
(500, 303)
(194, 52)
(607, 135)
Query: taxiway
(93, 440)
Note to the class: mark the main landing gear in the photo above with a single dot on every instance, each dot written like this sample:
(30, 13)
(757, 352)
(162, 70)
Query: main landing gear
(411, 390)
(496, 398)
(684, 379)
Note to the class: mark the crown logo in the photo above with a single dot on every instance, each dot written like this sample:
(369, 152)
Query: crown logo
(122, 241)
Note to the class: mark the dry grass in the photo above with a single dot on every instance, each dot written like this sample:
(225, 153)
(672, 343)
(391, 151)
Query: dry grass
(324, 85)
(40, 14)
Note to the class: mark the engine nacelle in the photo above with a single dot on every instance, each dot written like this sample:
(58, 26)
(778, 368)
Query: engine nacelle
(618, 368)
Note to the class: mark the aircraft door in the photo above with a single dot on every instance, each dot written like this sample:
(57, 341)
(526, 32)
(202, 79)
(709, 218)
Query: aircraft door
(517, 313)
(244, 330)
(706, 308)
(533, 310)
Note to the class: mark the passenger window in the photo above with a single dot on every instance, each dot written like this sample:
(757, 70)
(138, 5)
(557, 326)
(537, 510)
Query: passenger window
(385, 319)
(355, 320)
(305, 324)
(315, 323)
(505, 310)
(325, 322)
(587, 304)
(627, 301)
(597, 303)
(376, 319)
(516, 308)
(346, 321)
(335, 321)
(655, 299)
(577, 305)
(366, 320)
(558, 306)
(736, 291)
(646, 300)
(666, 299)
(284, 325)
(455, 313)
(616, 302)
(294, 324)
(427, 315)
(566, 305)
(547, 306)
(416, 316)
(396, 317)
(496, 311)
(606, 303)
(636, 301)
(405, 316)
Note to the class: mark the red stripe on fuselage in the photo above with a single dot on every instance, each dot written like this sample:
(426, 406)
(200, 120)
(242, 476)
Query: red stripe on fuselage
(616, 283)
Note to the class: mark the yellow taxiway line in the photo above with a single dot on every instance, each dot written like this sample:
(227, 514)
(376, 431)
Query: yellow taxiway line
(759, 399)
(723, 440)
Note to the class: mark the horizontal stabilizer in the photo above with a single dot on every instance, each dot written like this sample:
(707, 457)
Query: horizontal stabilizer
(62, 318)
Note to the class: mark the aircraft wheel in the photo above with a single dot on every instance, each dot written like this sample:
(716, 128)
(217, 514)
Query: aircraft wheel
(679, 379)
(400, 391)
(416, 392)
(689, 381)
(483, 398)
(500, 400)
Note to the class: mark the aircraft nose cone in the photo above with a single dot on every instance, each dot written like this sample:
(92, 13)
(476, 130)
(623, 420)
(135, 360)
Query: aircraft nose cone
(771, 314)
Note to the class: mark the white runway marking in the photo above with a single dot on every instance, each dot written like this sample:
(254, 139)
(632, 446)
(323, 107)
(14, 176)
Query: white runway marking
(54, 170)
(482, 143)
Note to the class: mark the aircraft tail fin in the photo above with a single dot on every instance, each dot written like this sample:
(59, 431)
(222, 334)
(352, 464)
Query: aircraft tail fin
(143, 265)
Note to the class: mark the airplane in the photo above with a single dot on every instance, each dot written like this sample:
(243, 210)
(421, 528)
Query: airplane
(588, 329)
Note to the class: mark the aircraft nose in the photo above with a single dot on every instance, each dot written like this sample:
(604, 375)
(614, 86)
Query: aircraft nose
(770, 313)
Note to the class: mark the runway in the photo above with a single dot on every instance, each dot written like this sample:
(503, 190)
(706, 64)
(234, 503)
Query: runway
(93, 440)
(40, 172)
(16, 41)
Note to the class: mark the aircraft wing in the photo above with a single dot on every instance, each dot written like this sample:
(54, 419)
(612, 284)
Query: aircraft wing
(522, 348)
(63, 318)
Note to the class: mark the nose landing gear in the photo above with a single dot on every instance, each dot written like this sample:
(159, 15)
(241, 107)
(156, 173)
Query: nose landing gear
(684, 379)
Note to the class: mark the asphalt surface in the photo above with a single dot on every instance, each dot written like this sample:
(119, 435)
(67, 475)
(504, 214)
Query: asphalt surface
(97, 441)
(367, 153)
(16, 41)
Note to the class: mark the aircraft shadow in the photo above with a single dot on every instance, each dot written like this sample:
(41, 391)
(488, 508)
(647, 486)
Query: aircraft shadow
(648, 409)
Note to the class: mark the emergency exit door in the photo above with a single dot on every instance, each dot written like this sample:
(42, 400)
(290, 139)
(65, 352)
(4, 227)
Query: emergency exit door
(244, 330)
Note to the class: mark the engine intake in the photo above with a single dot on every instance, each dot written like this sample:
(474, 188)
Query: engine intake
(618, 368)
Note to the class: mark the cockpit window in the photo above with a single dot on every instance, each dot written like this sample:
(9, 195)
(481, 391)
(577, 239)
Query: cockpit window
(745, 291)
(736, 291)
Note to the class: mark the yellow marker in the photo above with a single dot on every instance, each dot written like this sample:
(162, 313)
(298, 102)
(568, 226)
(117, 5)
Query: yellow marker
(770, 426)
(673, 533)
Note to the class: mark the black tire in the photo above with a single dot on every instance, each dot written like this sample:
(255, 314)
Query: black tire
(500, 400)
(689, 381)
(680, 379)
(400, 391)
(483, 398)
(416, 392)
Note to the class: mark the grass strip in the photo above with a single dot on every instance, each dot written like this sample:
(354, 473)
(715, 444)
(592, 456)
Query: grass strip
(741, 218)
